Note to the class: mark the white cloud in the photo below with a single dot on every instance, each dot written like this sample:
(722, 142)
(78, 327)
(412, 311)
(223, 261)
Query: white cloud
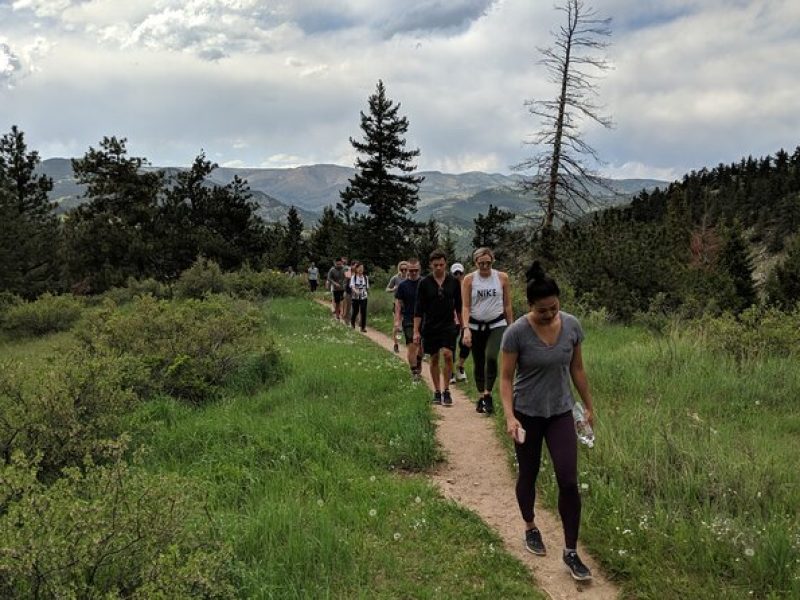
(42, 8)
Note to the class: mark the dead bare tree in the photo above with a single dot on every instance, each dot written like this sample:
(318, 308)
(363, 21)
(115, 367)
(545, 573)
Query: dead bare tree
(563, 182)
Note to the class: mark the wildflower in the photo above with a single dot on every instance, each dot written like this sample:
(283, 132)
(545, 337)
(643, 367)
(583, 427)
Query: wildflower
(417, 499)
(320, 502)
(749, 552)
(396, 536)
(584, 486)
(372, 512)
(622, 552)
(372, 478)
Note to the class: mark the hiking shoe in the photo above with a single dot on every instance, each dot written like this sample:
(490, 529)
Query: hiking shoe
(447, 399)
(534, 543)
(415, 377)
(437, 398)
(452, 379)
(480, 407)
(460, 375)
(488, 404)
(578, 570)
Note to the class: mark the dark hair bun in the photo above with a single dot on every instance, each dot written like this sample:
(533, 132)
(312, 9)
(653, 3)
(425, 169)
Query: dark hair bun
(535, 272)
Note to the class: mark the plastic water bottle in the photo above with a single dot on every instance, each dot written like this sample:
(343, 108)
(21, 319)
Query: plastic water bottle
(397, 337)
(582, 427)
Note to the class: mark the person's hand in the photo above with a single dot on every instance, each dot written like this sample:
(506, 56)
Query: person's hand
(466, 337)
(512, 424)
(417, 337)
(589, 415)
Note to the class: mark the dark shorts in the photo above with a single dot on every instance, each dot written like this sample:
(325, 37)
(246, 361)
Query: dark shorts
(408, 332)
(313, 284)
(338, 295)
(439, 340)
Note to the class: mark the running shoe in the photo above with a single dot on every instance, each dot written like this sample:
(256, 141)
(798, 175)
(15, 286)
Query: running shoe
(460, 375)
(437, 398)
(363, 330)
(447, 399)
(534, 543)
(578, 570)
(488, 404)
(452, 379)
(481, 406)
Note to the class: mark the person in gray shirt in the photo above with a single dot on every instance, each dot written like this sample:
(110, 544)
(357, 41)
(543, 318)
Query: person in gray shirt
(541, 356)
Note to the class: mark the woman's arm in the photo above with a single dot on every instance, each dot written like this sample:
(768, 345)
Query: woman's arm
(507, 369)
(466, 306)
(581, 381)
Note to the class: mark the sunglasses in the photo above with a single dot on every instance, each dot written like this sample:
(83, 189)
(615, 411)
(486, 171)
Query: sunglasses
(403, 270)
(483, 263)
(413, 270)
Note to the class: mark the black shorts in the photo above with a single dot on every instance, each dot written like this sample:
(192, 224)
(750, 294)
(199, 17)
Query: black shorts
(338, 295)
(408, 332)
(438, 340)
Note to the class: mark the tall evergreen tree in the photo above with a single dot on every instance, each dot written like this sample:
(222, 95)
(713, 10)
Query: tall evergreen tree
(783, 283)
(492, 228)
(294, 245)
(390, 196)
(29, 230)
(736, 262)
(327, 238)
(428, 240)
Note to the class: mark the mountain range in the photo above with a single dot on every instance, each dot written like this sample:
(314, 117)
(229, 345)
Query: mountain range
(452, 199)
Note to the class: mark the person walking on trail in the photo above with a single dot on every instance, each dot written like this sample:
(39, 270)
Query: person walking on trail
(437, 318)
(543, 348)
(487, 311)
(405, 301)
(313, 277)
(335, 281)
(391, 287)
(347, 304)
(359, 286)
(458, 374)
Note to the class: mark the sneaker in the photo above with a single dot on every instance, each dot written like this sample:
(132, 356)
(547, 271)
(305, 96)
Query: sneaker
(447, 399)
(488, 404)
(480, 407)
(363, 330)
(578, 570)
(534, 543)
(452, 380)
(460, 375)
(437, 398)
(415, 377)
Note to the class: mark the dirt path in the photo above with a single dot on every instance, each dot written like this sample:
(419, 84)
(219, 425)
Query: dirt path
(475, 475)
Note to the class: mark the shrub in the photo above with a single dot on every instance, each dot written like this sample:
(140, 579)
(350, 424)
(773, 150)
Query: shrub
(47, 314)
(109, 531)
(188, 348)
(71, 411)
(203, 277)
(255, 285)
(138, 287)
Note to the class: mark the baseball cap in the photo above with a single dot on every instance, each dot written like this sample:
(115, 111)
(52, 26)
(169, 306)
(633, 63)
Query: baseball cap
(456, 268)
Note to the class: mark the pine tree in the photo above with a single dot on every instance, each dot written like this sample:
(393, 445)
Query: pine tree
(29, 230)
(391, 198)
(736, 262)
(783, 283)
(293, 244)
(428, 240)
(327, 238)
(491, 229)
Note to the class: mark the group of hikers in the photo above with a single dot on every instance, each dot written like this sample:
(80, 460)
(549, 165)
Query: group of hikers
(537, 357)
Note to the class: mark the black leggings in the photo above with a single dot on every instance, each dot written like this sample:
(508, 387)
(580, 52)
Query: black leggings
(559, 431)
(485, 350)
(359, 306)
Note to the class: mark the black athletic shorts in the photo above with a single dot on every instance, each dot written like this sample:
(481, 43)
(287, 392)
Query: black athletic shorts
(338, 295)
(408, 332)
(431, 344)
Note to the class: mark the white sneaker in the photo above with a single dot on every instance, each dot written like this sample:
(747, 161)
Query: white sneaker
(460, 375)
(452, 379)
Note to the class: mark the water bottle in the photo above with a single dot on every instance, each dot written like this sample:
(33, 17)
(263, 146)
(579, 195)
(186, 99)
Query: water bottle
(397, 337)
(582, 427)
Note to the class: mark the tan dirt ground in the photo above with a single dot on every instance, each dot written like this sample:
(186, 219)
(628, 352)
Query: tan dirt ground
(475, 474)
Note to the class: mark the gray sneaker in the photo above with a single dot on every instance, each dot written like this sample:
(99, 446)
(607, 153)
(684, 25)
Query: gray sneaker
(447, 399)
(437, 398)
(578, 570)
(534, 543)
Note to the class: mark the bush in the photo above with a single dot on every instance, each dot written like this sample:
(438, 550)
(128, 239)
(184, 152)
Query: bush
(138, 287)
(188, 348)
(256, 285)
(71, 411)
(47, 314)
(756, 333)
(106, 531)
(202, 278)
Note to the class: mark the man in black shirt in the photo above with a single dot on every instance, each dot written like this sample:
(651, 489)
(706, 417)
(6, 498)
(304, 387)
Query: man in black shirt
(406, 299)
(437, 320)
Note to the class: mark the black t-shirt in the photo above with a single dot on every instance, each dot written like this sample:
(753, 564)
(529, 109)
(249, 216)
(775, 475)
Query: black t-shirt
(438, 305)
(406, 292)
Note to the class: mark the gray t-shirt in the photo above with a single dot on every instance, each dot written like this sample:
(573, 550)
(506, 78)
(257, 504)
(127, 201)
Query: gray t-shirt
(542, 382)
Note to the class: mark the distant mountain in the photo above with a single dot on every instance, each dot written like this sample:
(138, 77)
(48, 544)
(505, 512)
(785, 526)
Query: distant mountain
(454, 199)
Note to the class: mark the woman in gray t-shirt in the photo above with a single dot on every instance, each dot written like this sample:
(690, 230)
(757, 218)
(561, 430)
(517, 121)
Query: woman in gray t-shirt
(541, 355)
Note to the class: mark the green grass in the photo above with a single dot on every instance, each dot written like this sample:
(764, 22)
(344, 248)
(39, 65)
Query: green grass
(319, 482)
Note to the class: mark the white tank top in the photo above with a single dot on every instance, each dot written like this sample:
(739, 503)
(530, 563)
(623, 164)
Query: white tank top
(486, 303)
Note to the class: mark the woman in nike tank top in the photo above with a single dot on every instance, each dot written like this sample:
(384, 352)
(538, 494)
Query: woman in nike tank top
(486, 298)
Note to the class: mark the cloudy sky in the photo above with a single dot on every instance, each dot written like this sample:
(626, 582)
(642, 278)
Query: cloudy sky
(280, 83)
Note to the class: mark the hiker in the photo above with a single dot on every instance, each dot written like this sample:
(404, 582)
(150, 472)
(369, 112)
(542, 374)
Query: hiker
(359, 285)
(405, 300)
(396, 279)
(543, 348)
(335, 281)
(346, 300)
(437, 318)
(486, 296)
(458, 374)
(313, 277)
